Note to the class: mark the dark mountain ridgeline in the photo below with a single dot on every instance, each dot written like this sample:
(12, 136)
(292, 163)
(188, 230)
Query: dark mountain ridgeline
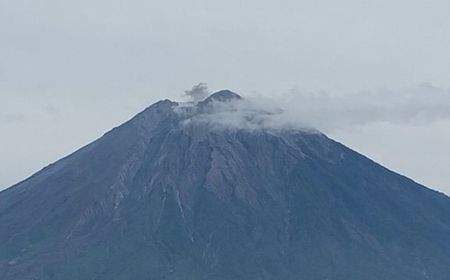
(160, 197)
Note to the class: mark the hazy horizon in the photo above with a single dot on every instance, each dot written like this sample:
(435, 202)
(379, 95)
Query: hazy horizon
(373, 75)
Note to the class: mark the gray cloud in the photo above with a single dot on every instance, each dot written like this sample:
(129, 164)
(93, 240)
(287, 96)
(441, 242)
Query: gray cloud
(198, 92)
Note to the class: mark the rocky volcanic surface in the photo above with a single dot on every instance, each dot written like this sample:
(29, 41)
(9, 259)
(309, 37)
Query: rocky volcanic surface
(166, 197)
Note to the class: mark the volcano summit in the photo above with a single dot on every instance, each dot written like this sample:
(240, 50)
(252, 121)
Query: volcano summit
(215, 191)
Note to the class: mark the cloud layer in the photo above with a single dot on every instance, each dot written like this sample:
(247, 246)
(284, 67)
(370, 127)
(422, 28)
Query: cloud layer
(328, 112)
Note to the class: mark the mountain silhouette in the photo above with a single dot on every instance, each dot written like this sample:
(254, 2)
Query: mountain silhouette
(169, 196)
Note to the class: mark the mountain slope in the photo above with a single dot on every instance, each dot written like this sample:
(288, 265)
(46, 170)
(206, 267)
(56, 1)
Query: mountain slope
(172, 195)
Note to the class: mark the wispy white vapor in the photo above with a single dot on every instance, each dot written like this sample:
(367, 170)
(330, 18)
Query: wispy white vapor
(248, 113)
(328, 112)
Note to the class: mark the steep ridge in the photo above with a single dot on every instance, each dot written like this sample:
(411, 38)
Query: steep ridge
(166, 197)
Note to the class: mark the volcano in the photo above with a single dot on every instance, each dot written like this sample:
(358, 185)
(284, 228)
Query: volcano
(203, 191)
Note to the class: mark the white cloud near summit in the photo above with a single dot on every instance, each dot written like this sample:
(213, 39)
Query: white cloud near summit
(329, 112)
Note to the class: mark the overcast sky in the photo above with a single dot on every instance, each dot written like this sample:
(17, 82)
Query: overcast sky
(374, 75)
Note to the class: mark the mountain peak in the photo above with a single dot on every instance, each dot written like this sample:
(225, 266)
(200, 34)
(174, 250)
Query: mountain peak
(223, 96)
(157, 196)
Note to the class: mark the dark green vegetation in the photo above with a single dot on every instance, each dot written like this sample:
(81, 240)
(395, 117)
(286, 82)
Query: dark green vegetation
(157, 198)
